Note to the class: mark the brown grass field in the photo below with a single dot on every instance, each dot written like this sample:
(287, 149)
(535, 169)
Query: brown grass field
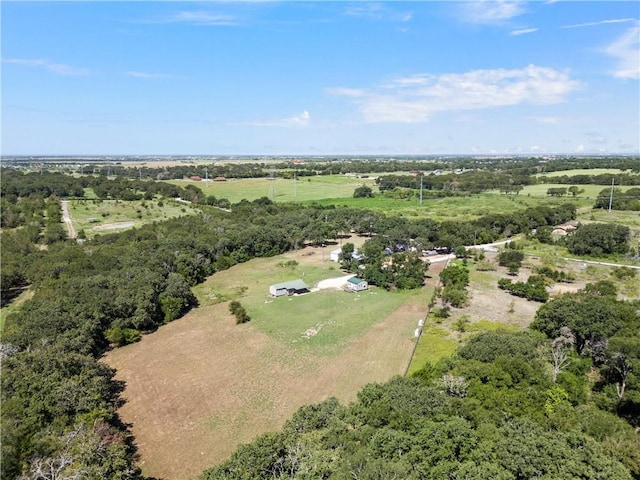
(201, 385)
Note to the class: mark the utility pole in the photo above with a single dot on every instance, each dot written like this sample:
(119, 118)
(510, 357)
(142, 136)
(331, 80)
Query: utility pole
(421, 177)
(206, 177)
(611, 196)
(294, 184)
(271, 180)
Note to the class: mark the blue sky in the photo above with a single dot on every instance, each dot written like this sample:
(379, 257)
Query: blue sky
(320, 78)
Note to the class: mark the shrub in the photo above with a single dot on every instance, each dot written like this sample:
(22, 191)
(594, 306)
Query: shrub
(509, 257)
(122, 336)
(239, 312)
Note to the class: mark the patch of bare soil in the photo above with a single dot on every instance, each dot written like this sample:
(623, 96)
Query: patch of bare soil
(113, 226)
(201, 385)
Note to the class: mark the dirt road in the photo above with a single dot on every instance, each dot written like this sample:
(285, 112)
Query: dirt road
(66, 218)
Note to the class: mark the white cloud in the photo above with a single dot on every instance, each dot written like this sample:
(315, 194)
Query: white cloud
(195, 17)
(416, 98)
(148, 75)
(601, 22)
(58, 68)
(301, 120)
(626, 50)
(523, 31)
(377, 11)
(491, 11)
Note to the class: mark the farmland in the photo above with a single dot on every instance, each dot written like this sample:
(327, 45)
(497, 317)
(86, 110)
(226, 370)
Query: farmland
(105, 216)
(223, 384)
(197, 384)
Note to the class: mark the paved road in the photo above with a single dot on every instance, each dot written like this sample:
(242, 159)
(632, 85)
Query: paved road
(66, 218)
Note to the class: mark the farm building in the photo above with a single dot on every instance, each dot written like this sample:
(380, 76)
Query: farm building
(334, 256)
(220, 179)
(356, 284)
(195, 178)
(288, 288)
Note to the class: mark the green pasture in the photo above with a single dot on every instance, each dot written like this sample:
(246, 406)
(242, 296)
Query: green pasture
(320, 322)
(89, 214)
(434, 344)
(324, 321)
(281, 190)
(447, 208)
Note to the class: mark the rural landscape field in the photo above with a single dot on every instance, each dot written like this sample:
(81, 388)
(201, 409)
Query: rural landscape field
(196, 388)
(308, 240)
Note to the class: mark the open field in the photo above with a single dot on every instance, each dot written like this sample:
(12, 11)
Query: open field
(448, 208)
(583, 171)
(94, 216)
(281, 190)
(222, 384)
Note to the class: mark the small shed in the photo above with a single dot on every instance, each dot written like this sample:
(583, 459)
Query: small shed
(288, 288)
(195, 178)
(356, 284)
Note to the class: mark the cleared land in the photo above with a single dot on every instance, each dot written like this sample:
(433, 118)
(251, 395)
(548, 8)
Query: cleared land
(281, 190)
(95, 216)
(199, 386)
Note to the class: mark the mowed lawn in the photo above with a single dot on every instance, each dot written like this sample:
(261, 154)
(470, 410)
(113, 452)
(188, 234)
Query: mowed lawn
(201, 385)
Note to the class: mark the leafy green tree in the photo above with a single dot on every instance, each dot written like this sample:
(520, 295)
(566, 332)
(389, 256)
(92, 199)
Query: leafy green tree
(575, 191)
(510, 257)
(363, 191)
(347, 262)
(176, 298)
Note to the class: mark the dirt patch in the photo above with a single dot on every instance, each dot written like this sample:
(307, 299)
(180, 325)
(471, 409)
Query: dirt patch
(201, 385)
(113, 226)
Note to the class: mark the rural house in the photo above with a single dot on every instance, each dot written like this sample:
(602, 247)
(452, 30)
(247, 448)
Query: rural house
(356, 284)
(288, 288)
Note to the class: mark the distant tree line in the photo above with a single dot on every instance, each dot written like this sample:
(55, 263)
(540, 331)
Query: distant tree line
(589, 179)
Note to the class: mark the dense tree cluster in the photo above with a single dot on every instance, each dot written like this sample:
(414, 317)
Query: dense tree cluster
(607, 332)
(533, 289)
(469, 182)
(590, 179)
(598, 239)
